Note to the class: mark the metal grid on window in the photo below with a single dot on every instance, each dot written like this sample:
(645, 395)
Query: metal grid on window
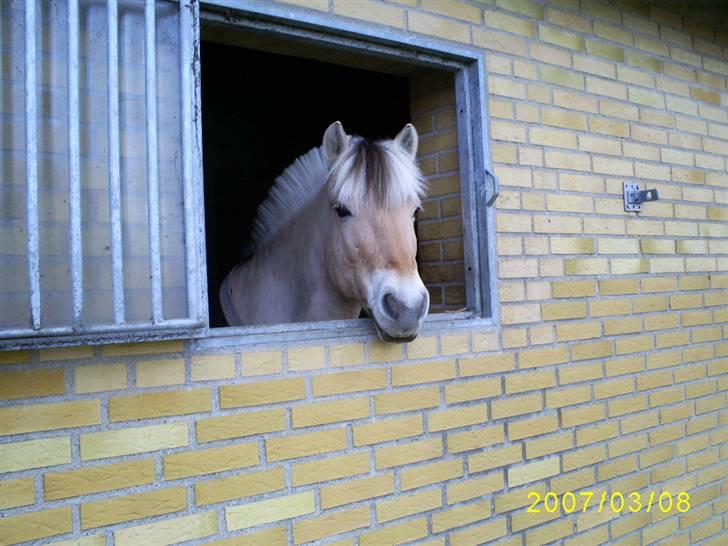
(101, 172)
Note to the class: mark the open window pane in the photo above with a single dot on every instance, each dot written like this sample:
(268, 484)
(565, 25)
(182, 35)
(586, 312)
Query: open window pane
(95, 189)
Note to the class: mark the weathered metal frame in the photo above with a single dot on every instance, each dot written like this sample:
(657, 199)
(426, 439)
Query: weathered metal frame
(469, 68)
(120, 330)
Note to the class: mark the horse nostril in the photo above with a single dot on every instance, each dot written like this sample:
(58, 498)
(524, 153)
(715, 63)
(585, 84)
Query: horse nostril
(423, 307)
(391, 305)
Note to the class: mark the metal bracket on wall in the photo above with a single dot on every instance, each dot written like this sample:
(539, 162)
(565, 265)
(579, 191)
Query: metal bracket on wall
(634, 196)
(493, 188)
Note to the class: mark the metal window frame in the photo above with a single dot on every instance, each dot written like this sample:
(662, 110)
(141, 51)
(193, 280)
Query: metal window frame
(120, 330)
(478, 186)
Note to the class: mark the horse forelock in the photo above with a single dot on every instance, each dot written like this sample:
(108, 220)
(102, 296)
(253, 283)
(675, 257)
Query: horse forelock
(379, 172)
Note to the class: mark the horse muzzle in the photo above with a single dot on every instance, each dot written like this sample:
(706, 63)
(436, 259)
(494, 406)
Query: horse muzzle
(397, 321)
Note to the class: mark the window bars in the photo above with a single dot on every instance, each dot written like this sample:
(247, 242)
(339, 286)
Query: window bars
(181, 135)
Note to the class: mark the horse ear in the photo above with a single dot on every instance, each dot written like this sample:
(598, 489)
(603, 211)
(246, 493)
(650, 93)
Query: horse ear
(407, 138)
(335, 141)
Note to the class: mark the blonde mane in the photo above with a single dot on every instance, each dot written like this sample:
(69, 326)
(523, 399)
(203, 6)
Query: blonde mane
(381, 171)
(289, 193)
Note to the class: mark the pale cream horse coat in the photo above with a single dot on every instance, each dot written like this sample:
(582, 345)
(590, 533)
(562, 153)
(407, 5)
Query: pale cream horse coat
(335, 236)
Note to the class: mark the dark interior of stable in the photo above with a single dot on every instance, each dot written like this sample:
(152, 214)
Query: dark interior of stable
(260, 111)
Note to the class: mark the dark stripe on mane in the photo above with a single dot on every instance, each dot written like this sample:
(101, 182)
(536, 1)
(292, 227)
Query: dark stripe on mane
(372, 160)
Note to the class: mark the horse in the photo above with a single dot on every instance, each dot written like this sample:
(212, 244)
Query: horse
(336, 236)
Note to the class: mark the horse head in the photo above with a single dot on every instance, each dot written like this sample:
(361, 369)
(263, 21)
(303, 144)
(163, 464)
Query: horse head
(375, 189)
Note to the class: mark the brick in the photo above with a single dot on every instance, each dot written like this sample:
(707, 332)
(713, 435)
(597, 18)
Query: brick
(330, 412)
(206, 461)
(412, 478)
(560, 38)
(458, 442)
(481, 365)
(436, 26)
(273, 536)
(159, 404)
(422, 347)
(39, 417)
(568, 160)
(239, 425)
(457, 417)
(561, 77)
(549, 445)
(574, 289)
(306, 358)
(262, 392)
(482, 534)
(112, 443)
(533, 472)
(211, 367)
(386, 430)
(99, 377)
(262, 362)
(35, 453)
(85, 481)
(453, 8)
(406, 505)
(471, 488)
(407, 453)
(541, 357)
(157, 373)
(370, 11)
(308, 530)
(35, 525)
(350, 354)
(572, 245)
(552, 532)
(270, 510)
(131, 507)
(577, 373)
(14, 357)
(460, 516)
(357, 490)
(516, 405)
(20, 492)
(563, 311)
(552, 137)
(384, 352)
(395, 534)
(526, 428)
(564, 119)
(567, 397)
(520, 314)
(485, 460)
(304, 445)
(31, 384)
(240, 485)
(530, 381)
(510, 24)
(583, 457)
(331, 468)
(472, 390)
(586, 266)
(606, 51)
(423, 373)
(396, 402)
(588, 351)
(134, 349)
(169, 531)
(578, 331)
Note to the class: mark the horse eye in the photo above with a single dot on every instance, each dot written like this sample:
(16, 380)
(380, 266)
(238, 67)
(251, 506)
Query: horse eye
(418, 209)
(342, 211)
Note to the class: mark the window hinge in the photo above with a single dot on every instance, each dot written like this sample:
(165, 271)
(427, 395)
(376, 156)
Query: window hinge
(492, 188)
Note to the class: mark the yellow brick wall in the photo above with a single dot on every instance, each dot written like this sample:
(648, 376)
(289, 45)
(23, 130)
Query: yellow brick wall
(439, 224)
(608, 372)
